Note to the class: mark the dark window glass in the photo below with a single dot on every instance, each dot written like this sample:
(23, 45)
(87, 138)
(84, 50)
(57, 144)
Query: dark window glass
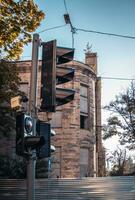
(83, 122)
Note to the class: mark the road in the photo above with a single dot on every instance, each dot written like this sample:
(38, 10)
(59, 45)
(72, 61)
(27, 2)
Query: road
(106, 188)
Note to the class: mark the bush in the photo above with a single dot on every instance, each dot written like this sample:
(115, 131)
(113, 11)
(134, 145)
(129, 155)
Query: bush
(12, 168)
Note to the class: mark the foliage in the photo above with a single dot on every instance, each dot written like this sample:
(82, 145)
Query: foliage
(17, 168)
(18, 20)
(12, 168)
(118, 160)
(42, 168)
(9, 81)
(9, 87)
(122, 119)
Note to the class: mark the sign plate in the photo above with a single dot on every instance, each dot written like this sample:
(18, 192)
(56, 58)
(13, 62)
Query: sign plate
(15, 102)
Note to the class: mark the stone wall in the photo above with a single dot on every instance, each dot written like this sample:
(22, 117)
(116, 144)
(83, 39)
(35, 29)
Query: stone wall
(70, 137)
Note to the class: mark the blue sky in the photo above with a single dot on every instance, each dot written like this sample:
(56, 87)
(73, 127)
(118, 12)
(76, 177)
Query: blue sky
(116, 56)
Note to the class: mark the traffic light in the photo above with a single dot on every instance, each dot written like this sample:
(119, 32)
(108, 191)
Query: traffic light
(44, 130)
(25, 141)
(52, 75)
(23, 128)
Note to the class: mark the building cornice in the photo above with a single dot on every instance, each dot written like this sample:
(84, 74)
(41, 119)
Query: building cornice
(25, 65)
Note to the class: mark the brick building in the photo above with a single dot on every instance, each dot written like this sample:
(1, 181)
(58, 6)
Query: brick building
(79, 151)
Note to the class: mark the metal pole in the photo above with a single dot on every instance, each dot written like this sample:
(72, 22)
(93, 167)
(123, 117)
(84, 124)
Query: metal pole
(33, 80)
(32, 111)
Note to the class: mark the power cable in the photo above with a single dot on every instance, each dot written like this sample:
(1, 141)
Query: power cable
(74, 30)
(68, 21)
(55, 27)
(73, 40)
(117, 78)
(65, 6)
(105, 33)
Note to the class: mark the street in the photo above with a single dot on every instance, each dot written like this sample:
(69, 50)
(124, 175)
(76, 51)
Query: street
(105, 188)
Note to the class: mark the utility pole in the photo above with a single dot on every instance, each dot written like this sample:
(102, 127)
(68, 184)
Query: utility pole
(33, 112)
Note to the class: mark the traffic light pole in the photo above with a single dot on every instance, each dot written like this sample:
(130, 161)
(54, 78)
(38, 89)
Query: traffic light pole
(32, 110)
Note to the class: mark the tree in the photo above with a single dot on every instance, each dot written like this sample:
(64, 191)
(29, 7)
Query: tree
(9, 87)
(16, 168)
(9, 81)
(121, 162)
(12, 168)
(18, 19)
(122, 119)
(118, 160)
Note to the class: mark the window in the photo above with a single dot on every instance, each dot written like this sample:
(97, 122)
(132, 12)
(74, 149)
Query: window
(84, 99)
(83, 91)
(84, 162)
(83, 122)
(84, 107)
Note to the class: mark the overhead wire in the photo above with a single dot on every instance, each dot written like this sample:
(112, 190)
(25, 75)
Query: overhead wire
(105, 33)
(89, 31)
(68, 21)
(74, 30)
(55, 27)
(65, 6)
(73, 40)
(118, 78)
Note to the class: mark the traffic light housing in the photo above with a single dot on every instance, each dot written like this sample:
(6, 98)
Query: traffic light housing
(25, 141)
(44, 130)
(24, 128)
(52, 75)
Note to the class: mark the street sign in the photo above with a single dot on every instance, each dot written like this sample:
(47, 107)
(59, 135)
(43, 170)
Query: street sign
(15, 102)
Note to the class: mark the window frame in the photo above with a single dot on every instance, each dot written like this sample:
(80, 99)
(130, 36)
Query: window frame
(84, 114)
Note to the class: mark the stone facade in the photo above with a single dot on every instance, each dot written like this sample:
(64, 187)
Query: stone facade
(79, 150)
(71, 138)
